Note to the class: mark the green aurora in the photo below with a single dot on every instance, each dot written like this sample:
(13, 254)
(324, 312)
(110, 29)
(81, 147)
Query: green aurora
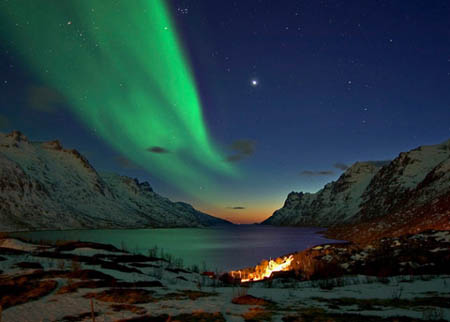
(121, 69)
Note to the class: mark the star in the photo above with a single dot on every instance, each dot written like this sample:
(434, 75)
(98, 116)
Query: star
(254, 82)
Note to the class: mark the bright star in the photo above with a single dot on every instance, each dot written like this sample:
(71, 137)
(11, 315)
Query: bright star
(254, 82)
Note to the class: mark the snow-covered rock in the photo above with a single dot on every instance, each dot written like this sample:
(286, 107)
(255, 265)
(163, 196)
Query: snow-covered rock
(411, 191)
(338, 201)
(44, 186)
(413, 178)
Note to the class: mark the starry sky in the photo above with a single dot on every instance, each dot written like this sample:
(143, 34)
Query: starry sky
(228, 105)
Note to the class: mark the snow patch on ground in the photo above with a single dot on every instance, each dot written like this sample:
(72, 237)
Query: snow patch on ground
(290, 295)
(18, 245)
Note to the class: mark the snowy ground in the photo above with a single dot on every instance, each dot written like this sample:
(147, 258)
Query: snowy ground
(420, 297)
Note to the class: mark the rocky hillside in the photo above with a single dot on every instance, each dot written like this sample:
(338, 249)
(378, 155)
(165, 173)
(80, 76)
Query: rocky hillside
(44, 186)
(371, 199)
(337, 202)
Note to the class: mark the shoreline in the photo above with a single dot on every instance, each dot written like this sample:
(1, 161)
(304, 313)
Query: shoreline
(293, 239)
(126, 286)
(321, 229)
(85, 229)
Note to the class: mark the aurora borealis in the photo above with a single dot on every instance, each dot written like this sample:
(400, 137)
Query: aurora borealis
(121, 68)
(227, 105)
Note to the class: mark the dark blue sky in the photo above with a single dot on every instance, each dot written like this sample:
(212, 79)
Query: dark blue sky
(338, 81)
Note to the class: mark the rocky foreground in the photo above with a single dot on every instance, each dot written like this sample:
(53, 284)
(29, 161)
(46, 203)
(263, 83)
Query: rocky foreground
(76, 281)
(46, 186)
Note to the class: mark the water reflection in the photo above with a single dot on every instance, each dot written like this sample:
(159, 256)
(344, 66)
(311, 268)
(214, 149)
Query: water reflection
(220, 248)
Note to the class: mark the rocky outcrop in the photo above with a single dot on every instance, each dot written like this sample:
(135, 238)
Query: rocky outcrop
(45, 186)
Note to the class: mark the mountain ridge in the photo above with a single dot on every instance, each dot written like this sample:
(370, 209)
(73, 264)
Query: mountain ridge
(45, 186)
(380, 197)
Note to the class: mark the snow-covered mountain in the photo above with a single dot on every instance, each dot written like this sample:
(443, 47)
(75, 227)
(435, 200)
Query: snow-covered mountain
(44, 186)
(337, 201)
(387, 195)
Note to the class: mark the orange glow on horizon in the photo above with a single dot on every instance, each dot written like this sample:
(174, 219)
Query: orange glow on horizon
(241, 216)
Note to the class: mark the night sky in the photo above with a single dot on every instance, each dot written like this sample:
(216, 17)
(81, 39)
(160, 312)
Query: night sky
(228, 105)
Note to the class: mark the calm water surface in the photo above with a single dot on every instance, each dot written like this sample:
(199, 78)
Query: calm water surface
(220, 248)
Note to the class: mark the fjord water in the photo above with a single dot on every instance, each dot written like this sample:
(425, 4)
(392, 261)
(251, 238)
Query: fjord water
(220, 248)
